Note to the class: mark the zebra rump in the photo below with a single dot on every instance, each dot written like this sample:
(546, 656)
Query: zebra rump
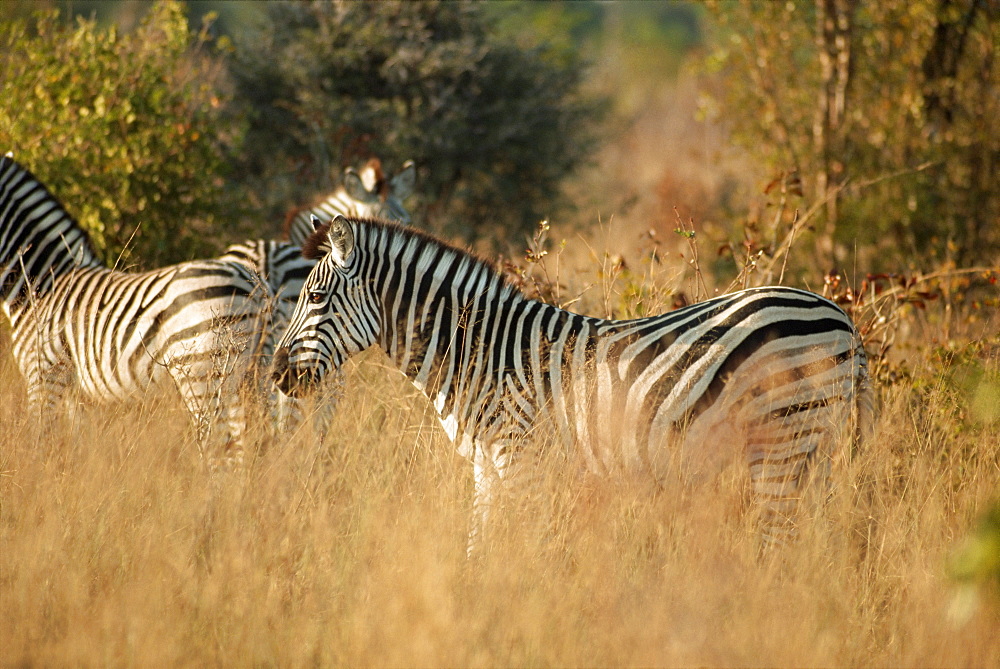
(772, 378)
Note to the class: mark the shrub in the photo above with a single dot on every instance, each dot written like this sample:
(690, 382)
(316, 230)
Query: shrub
(124, 128)
(884, 112)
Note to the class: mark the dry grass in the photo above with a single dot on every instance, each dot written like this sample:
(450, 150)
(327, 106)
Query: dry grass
(116, 548)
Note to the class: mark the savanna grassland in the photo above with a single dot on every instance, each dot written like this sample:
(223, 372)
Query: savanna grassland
(117, 547)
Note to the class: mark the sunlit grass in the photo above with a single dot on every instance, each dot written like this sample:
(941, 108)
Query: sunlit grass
(117, 547)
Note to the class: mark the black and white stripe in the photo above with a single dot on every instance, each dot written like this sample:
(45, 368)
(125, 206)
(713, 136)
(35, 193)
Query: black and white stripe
(109, 336)
(283, 268)
(367, 194)
(770, 376)
(363, 194)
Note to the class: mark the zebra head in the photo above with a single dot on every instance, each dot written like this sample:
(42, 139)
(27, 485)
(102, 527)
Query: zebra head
(377, 196)
(337, 314)
(364, 193)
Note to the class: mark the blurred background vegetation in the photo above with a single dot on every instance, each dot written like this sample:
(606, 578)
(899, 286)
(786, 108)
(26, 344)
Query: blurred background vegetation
(833, 143)
(124, 126)
(171, 127)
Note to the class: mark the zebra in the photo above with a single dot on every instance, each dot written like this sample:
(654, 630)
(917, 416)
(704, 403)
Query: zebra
(767, 374)
(364, 194)
(283, 269)
(108, 335)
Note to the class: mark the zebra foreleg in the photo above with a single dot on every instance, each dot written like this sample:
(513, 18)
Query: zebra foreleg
(487, 479)
(491, 470)
(286, 412)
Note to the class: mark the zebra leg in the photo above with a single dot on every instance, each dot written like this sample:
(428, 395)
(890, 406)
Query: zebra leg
(47, 387)
(286, 413)
(490, 464)
(199, 396)
(212, 392)
(486, 481)
(789, 459)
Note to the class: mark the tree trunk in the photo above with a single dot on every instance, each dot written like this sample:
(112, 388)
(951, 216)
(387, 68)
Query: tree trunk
(834, 24)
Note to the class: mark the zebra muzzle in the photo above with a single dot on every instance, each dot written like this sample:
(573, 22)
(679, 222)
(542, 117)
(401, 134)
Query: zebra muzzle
(291, 380)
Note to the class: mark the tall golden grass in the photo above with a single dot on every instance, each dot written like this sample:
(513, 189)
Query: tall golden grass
(117, 547)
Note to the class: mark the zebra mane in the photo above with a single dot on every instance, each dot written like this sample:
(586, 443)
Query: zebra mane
(317, 245)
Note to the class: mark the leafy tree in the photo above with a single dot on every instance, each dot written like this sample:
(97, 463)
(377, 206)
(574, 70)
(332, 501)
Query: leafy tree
(493, 127)
(884, 112)
(126, 129)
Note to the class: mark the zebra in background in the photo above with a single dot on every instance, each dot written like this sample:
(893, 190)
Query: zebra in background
(107, 335)
(368, 194)
(769, 375)
(365, 194)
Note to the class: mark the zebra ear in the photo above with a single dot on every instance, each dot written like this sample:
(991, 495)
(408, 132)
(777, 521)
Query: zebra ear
(405, 181)
(341, 240)
(314, 220)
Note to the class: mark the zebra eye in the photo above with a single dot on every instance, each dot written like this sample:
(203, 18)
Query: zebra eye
(316, 297)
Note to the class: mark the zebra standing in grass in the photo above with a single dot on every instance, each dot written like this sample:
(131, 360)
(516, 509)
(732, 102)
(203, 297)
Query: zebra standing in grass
(772, 376)
(108, 335)
(284, 269)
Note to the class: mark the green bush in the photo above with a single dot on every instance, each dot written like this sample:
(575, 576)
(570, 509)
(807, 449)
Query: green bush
(125, 128)
(493, 126)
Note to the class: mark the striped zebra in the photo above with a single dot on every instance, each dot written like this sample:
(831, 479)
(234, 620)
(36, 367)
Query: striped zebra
(364, 194)
(107, 335)
(768, 375)
(282, 267)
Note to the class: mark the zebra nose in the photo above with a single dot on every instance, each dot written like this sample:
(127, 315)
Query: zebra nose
(281, 376)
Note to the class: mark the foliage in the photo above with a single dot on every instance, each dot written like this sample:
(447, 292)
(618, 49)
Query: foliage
(884, 111)
(975, 564)
(124, 128)
(492, 126)
(978, 559)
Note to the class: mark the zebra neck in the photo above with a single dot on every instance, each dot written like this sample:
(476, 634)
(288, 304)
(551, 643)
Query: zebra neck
(39, 240)
(463, 349)
(435, 324)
